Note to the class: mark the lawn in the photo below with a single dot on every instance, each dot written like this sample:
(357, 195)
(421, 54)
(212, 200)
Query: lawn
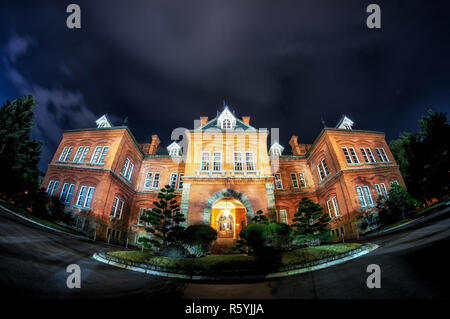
(214, 263)
(28, 215)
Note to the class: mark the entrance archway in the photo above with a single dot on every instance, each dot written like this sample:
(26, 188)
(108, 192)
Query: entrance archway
(228, 217)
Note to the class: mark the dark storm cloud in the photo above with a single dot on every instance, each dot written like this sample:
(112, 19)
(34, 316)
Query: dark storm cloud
(287, 64)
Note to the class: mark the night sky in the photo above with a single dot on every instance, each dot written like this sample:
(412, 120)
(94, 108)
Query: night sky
(287, 64)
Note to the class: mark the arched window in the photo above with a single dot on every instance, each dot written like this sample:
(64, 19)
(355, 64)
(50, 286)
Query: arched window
(226, 123)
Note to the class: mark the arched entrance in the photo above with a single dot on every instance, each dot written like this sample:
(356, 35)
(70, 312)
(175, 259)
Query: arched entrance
(228, 217)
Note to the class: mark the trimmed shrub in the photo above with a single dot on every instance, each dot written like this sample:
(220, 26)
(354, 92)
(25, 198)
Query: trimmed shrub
(198, 238)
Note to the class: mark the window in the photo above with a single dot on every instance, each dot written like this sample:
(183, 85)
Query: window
(156, 180)
(383, 153)
(69, 193)
(63, 153)
(226, 123)
(117, 208)
(363, 152)
(378, 190)
(69, 151)
(383, 188)
(173, 180)
(87, 203)
(301, 178)
(129, 171)
(368, 195)
(49, 187)
(101, 160)
(54, 188)
(369, 152)
(330, 208)
(95, 155)
(354, 156)
(148, 179)
(238, 162)
(83, 156)
(323, 169)
(362, 200)
(174, 151)
(180, 180)
(347, 155)
(83, 199)
(283, 216)
(205, 161)
(64, 191)
(217, 161)
(294, 180)
(114, 207)
(393, 182)
(336, 207)
(379, 154)
(249, 161)
(81, 195)
(78, 154)
(278, 183)
(276, 152)
(142, 211)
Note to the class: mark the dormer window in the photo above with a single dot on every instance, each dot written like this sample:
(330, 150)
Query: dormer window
(174, 149)
(103, 122)
(276, 150)
(226, 124)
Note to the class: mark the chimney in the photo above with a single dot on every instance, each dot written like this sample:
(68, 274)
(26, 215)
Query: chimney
(203, 120)
(246, 120)
(154, 145)
(294, 145)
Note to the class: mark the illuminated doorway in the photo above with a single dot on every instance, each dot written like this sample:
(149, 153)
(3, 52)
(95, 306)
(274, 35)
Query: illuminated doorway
(228, 216)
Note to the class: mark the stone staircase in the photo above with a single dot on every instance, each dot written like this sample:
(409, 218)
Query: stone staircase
(222, 246)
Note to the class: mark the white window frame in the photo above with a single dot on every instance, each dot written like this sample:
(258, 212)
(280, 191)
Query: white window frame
(323, 169)
(120, 208)
(384, 190)
(64, 189)
(368, 195)
(83, 156)
(227, 123)
(129, 171)
(172, 180)
(337, 213)
(354, 155)
(142, 211)
(55, 187)
(249, 164)
(81, 195)
(103, 153)
(180, 180)
(69, 193)
(370, 154)
(294, 180)
(156, 179)
(302, 180)
(377, 150)
(378, 190)
(204, 164)
(362, 199)
(78, 154)
(114, 207)
(49, 186)
(69, 151)
(280, 184)
(283, 216)
(148, 180)
(238, 165)
(96, 154)
(89, 196)
(63, 153)
(347, 155)
(217, 161)
(330, 208)
(383, 153)
(364, 154)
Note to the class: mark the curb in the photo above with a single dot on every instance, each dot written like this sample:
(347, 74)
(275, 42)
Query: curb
(41, 225)
(233, 275)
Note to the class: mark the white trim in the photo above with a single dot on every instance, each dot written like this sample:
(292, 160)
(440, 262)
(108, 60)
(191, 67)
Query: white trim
(280, 180)
(294, 179)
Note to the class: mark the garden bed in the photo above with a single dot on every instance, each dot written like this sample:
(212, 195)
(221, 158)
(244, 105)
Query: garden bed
(238, 265)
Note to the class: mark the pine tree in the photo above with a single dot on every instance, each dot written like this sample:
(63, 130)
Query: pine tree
(164, 220)
(260, 218)
(19, 153)
(310, 222)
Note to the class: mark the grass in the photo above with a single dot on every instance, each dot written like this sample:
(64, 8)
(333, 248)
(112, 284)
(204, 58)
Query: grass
(215, 263)
(41, 221)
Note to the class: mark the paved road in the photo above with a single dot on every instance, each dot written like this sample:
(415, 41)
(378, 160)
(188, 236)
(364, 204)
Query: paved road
(33, 263)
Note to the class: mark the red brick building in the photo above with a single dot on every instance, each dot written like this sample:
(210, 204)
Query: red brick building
(223, 172)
